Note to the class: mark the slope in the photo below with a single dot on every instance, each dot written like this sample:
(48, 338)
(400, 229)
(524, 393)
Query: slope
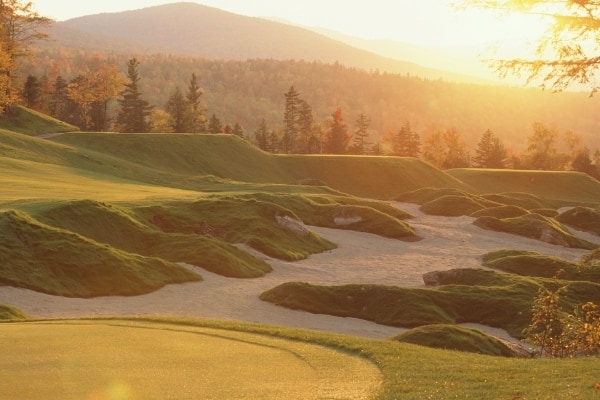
(213, 33)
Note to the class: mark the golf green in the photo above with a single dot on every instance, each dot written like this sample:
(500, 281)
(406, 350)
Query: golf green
(140, 360)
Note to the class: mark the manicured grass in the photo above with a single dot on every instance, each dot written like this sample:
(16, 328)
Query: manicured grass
(406, 371)
(583, 218)
(142, 360)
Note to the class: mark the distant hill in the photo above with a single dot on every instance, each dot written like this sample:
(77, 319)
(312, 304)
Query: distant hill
(190, 29)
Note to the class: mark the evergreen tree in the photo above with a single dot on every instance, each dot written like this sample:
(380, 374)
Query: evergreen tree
(542, 153)
(177, 108)
(193, 97)
(32, 92)
(361, 133)
(60, 107)
(134, 112)
(214, 124)
(262, 136)
(305, 127)
(490, 152)
(407, 142)
(291, 119)
(337, 136)
(237, 130)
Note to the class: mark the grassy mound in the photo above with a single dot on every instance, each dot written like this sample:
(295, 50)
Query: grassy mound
(229, 157)
(55, 261)
(535, 226)
(452, 337)
(452, 206)
(493, 300)
(121, 229)
(463, 295)
(501, 212)
(8, 313)
(560, 186)
(533, 264)
(527, 201)
(30, 122)
(583, 218)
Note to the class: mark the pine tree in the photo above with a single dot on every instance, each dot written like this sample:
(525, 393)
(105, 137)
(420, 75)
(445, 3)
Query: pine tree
(193, 97)
(305, 127)
(32, 91)
(361, 133)
(490, 152)
(134, 112)
(337, 136)
(177, 108)
(237, 130)
(214, 124)
(407, 142)
(291, 118)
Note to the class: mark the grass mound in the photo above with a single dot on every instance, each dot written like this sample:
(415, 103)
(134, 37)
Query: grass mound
(527, 201)
(452, 206)
(558, 186)
(30, 122)
(535, 226)
(55, 261)
(8, 313)
(452, 337)
(462, 296)
(487, 298)
(583, 218)
(527, 263)
(501, 212)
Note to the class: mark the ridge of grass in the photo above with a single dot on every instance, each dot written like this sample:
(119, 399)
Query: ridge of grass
(528, 263)
(583, 218)
(39, 257)
(452, 337)
(9, 313)
(463, 295)
(30, 122)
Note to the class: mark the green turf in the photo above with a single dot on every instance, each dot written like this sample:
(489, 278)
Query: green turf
(406, 371)
(561, 186)
(8, 313)
(452, 337)
(583, 218)
(30, 122)
(127, 360)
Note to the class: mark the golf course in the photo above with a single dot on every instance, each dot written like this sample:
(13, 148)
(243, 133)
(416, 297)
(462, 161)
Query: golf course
(188, 266)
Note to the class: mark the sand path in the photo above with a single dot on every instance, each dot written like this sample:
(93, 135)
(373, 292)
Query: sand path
(448, 242)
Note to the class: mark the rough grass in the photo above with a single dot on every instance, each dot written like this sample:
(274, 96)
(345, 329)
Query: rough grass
(51, 260)
(535, 226)
(452, 206)
(501, 212)
(503, 304)
(30, 122)
(9, 313)
(583, 218)
(558, 186)
(533, 264)
(463, 295)
(452, 337)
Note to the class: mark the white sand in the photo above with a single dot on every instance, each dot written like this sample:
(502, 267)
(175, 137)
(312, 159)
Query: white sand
(448, 242)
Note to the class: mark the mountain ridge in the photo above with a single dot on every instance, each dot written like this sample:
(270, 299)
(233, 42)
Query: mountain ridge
(214, 33)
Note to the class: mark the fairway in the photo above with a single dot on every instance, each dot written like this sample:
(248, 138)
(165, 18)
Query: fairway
(136, 360)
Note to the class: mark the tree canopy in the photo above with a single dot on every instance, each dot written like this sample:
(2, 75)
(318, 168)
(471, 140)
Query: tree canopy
(568, 54)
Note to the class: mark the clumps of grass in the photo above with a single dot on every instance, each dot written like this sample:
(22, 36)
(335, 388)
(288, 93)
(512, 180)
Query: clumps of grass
(501, 212)
(583, 218)
(479, 296)
(527, 201)
(120, 228)
(452, 206)
(55, 261)
(9, 313)
(453, 337)
(535, 226)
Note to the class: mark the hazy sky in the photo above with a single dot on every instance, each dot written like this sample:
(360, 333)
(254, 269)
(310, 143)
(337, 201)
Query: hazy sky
(431, 22)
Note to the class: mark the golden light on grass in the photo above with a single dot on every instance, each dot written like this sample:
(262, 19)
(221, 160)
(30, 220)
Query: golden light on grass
(119, 360)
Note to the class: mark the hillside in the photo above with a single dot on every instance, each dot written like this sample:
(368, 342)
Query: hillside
(216, 34)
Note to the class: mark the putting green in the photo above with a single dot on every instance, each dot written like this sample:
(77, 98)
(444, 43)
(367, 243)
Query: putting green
(136, 360)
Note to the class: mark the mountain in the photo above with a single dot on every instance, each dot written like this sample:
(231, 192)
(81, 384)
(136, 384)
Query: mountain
(191, 29)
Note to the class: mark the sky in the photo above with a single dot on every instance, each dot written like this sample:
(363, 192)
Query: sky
(422, 22)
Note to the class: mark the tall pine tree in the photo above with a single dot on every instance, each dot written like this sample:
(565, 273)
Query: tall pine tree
(134, 112)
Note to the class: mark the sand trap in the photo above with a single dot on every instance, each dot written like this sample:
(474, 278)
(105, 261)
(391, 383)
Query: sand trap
(448, 242)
